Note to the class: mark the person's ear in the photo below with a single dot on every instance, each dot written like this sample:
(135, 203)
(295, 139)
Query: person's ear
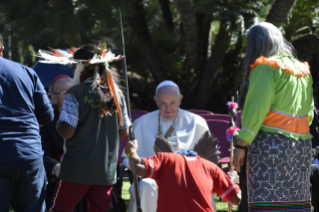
(155, 100)
(180, 99)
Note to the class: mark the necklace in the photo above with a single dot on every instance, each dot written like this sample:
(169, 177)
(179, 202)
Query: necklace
(170, 130)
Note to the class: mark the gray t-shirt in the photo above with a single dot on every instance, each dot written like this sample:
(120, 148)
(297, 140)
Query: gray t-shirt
(91, 154)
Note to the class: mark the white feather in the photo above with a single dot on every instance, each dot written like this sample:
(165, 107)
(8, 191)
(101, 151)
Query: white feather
(109, 57)
(51, 59)
(65, 53)
(77, 74)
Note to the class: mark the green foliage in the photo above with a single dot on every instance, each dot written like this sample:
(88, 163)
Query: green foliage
(303, 21)
(39, 24)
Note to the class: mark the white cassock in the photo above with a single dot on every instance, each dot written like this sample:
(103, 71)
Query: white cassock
(189, 127)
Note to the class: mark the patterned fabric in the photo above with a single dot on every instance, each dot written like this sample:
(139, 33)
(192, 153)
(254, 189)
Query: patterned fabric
(278, 173)
(70, 111)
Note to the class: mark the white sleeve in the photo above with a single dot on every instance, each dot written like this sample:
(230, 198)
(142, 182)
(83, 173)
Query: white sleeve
(126, 163)
(70, 110)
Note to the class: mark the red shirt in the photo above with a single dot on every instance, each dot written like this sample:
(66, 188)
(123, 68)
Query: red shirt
(186, 183)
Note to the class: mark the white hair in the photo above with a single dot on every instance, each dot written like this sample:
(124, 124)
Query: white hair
(263, 39)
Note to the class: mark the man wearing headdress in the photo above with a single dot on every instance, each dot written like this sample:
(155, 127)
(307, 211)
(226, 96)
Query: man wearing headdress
(92, 119)
(52, 142)
(181, 128)
(24, 106)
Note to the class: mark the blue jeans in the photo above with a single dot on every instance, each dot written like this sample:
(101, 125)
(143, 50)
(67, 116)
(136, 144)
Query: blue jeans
(23, 185)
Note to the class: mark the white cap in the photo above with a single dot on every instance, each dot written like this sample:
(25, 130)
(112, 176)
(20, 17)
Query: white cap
(167, 83)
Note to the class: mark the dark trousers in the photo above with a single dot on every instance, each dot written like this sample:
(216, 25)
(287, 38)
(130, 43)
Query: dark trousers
(68, 194)
(23, 185)
(243, 207)
(80, 207)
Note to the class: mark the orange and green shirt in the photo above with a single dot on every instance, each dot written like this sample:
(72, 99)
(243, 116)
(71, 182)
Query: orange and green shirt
(279, 99)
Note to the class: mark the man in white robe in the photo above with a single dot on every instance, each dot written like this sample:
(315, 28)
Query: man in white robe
(181, 128)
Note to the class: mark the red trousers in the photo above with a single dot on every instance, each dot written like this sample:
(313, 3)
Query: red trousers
(68, 194)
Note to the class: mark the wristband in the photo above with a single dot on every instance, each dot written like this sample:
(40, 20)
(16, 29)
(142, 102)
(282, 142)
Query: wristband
(131, 152)
(240, 147)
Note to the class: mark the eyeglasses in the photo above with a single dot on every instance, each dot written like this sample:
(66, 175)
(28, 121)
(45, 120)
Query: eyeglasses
(62, 92)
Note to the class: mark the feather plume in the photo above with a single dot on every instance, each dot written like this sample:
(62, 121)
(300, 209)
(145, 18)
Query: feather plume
(59, 56)
(116, 98)
(52, 59)
(162, 145)
(96, 79)
(77, 74)
(72, 50)
(207, 147)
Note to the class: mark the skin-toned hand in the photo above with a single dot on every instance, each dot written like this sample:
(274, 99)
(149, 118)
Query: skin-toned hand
(239, 155)
(130, 146)
(137, 165)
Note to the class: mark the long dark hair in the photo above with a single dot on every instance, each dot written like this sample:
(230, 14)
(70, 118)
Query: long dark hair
(263, 39)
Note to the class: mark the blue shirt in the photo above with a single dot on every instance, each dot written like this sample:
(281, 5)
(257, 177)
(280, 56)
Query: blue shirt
(23, 105)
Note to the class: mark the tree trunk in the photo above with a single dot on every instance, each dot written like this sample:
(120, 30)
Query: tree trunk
(203, 23)
(167, 15)
(279, 12)
(213, 66)
(141, 30)
(188, 19)
(306, 45)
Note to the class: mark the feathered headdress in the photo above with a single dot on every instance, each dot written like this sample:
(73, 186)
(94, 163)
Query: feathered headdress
(89, 56)
(206, 147)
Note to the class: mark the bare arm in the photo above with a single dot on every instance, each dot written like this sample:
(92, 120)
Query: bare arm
(137, 165)
(123, 133)
(235, 200)
(65, 130)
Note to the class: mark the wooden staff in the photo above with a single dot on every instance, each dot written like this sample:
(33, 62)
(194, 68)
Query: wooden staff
(232, 115)
(132, 136)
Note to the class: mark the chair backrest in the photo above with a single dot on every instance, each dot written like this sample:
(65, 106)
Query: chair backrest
(238, 119)
(199, 112)
(218, 129)
(139, 111)
(216, 116)
(135, 115)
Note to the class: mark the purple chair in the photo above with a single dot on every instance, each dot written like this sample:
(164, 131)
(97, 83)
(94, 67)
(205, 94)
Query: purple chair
(136, 111)
(218, 129)
(199, 112)
(216, 116)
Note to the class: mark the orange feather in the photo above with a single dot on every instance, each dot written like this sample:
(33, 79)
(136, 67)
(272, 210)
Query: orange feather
(112, 88)
(56, 53)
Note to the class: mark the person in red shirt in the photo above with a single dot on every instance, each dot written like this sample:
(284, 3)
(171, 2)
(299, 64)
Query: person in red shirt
(185, 182)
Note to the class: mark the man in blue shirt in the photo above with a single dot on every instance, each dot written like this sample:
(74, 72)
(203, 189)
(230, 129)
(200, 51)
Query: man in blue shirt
(24, 106)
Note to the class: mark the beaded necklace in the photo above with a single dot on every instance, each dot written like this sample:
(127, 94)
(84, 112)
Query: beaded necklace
(170, 130)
